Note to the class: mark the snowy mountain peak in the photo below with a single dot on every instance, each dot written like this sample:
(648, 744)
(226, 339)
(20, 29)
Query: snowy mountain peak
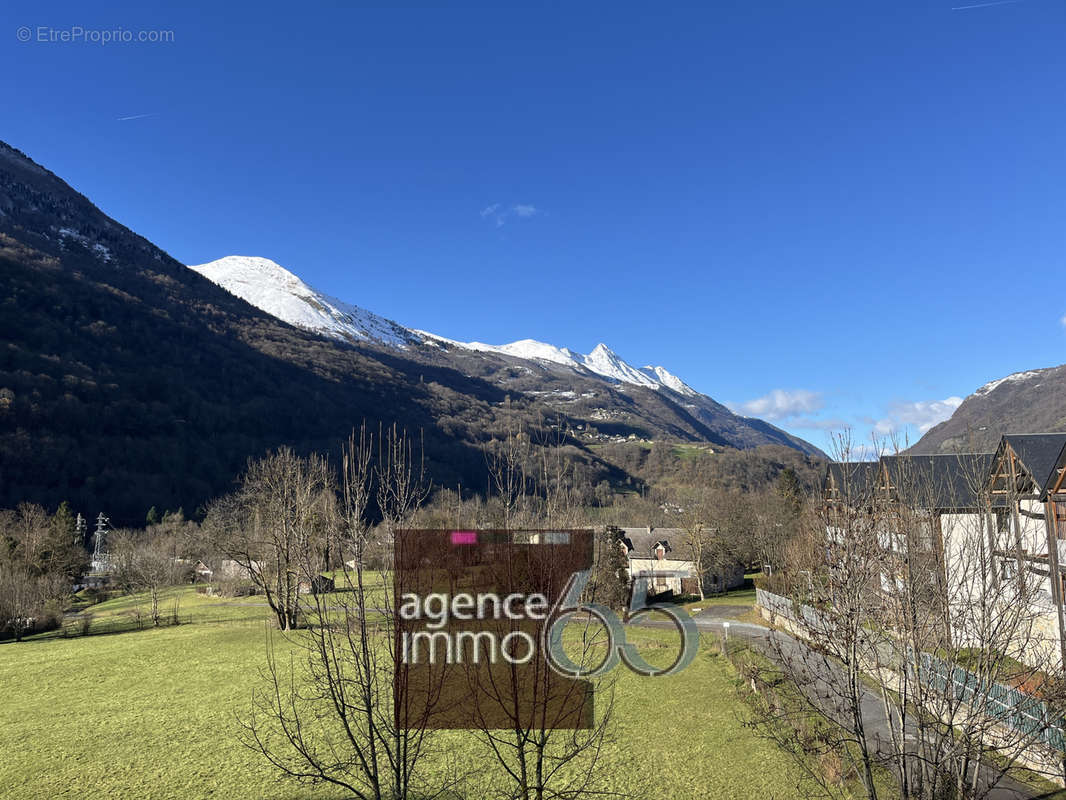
(529, 349)
(667, 378)
(271, 288)
(604, 361)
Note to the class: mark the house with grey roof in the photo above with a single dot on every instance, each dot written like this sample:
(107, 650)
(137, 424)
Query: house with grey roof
(979, 520)
(660, 560)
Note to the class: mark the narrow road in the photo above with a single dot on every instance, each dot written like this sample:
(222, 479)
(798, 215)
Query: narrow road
(771, 642)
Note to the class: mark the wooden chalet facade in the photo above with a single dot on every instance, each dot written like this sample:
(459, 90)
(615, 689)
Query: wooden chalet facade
(978, 519)
(1026, 484)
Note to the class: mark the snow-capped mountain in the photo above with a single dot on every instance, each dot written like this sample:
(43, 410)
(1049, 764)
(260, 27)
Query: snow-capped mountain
(271, 288)
(557, 376)
(601, 361)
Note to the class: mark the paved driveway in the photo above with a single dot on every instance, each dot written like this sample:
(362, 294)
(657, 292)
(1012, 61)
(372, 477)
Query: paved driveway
(770, 642)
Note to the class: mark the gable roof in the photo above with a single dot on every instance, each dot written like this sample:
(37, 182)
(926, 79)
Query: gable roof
(641, 542)
(851, 481)
(1041, 456)
(1039, 453)
(937, 482)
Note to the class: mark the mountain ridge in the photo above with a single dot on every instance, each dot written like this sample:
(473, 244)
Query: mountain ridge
(276, 290)
(1027, 401)
(128, 380)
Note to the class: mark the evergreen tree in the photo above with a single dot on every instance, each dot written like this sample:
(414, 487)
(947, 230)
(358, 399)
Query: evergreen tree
(788, 487)
(609, 582)
(64, 523)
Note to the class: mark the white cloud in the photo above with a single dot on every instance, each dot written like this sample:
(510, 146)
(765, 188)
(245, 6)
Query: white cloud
(922, 414)
(1063, 321)
(865, 452)
(782, 404)
(501, 214)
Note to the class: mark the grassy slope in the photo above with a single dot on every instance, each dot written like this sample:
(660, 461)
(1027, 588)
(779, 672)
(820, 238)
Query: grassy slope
(151, 714)
(190, 605)
(119, 612)
(145, 714)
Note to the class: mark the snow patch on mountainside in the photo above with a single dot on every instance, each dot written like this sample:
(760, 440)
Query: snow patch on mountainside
(271, 288)
(102, 252)
(1013, 378)
(670, 380)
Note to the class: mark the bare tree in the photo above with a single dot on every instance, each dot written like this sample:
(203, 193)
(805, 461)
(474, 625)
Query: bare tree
(533, 721)
(718, 525)
(815, 697)
(281, 519)
(147, 561)
(21, 598)
(524, 715)
(554, 484)
(400, 481)
(38, 562)
(334, 714)
(508, 462)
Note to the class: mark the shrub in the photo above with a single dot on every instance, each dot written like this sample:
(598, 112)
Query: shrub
(685, 598)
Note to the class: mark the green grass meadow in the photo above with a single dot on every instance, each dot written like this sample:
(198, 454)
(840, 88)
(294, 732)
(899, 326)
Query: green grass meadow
(152, 714)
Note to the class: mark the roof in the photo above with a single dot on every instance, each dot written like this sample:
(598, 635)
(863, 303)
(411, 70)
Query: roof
(1040, 454)
(641, 542)
(853, 480)
(937, 482)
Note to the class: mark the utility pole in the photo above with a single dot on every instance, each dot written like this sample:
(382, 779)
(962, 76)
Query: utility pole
(80, 527)
(99, 562)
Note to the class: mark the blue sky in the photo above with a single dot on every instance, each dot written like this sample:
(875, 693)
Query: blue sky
(824, 212)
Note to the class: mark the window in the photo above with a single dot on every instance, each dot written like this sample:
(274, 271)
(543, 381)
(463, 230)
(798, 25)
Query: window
(1008, 569)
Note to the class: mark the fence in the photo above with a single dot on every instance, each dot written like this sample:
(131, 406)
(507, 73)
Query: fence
(774, 603)
(1005, 704)
(783, 606)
